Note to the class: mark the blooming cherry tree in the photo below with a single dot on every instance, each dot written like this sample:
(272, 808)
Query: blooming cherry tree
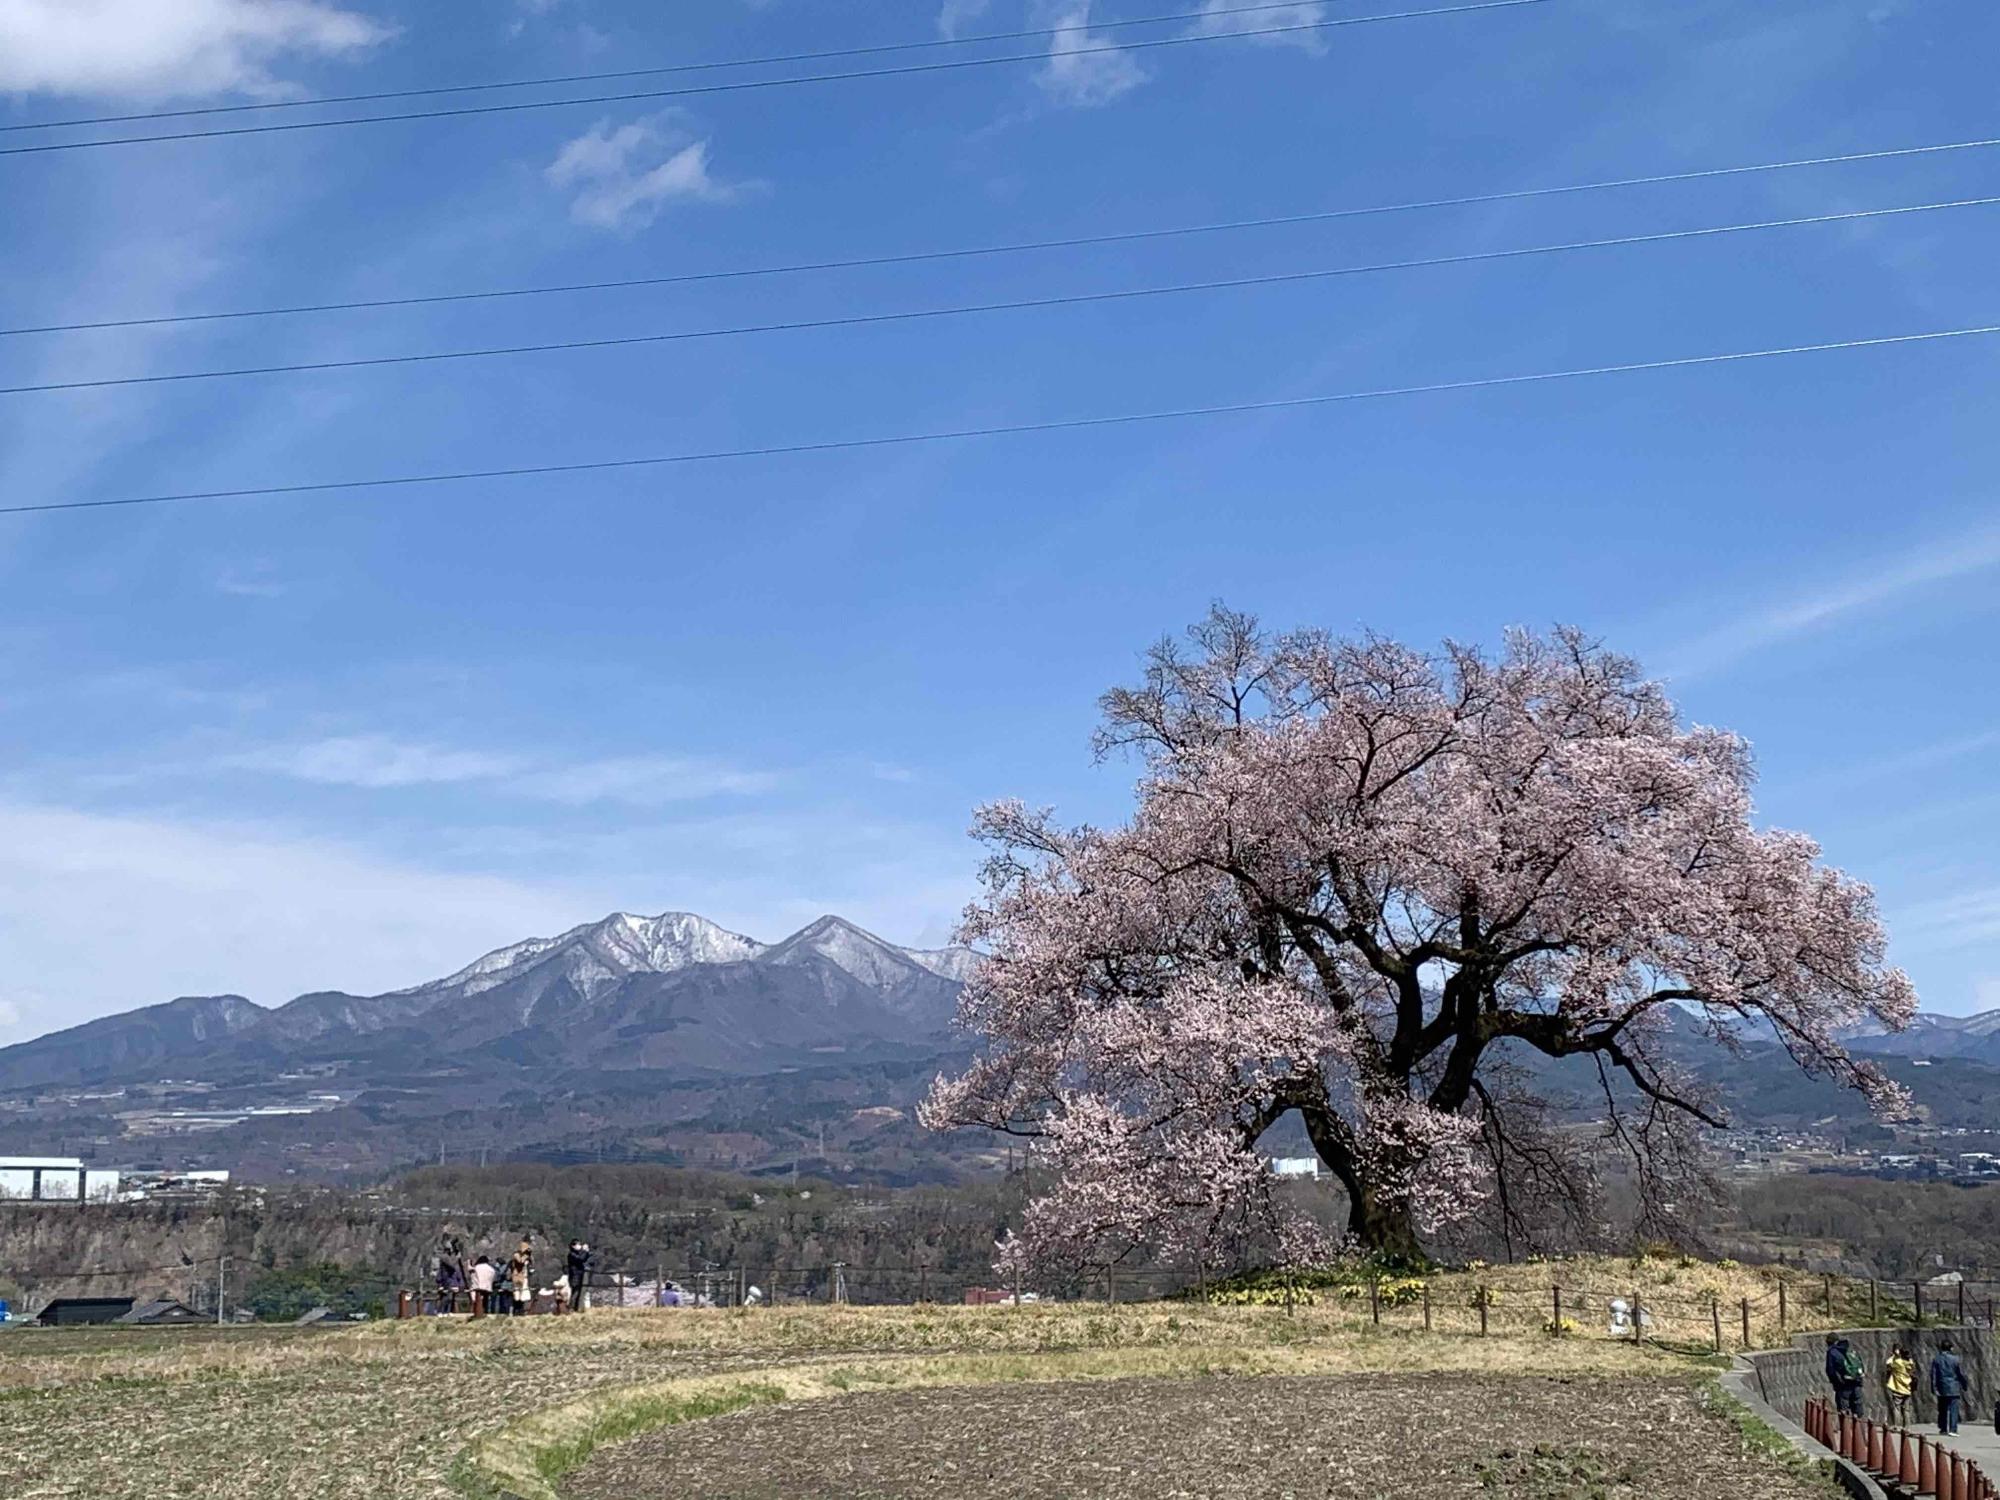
(1358, 879)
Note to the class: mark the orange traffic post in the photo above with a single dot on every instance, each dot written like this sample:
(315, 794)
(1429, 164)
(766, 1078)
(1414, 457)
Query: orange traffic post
(1878, 1448)
(1947, 1474)
(1926, 1467)
(1907, 1471)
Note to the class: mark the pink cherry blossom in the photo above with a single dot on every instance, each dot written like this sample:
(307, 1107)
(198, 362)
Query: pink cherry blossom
(1356, 876)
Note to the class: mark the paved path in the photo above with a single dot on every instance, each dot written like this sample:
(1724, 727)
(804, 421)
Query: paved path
(1977, 1441)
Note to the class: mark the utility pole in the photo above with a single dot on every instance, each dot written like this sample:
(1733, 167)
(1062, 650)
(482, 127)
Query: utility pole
(221, 1271)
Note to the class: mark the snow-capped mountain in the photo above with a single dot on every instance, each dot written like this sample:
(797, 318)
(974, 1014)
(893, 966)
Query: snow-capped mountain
(599, 954)
(671, 991)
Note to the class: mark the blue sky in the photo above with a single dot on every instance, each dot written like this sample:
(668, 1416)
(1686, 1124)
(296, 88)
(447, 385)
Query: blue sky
(351, 741)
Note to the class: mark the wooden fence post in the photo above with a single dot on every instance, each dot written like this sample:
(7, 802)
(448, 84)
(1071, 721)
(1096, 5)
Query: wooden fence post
(1874, 1301)
(1485, 1297)
(1715, 1316)
(1427, 1307)
(1375, 1299)
(1917, 1300)
(1556, 1323)
(1961, 1302)
(1638, 1318)
(1746, 1322)
(1783, 1317)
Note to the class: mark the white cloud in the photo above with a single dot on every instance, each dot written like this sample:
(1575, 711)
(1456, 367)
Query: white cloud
(376, 762)
(1961, 920)
(1083, 69)
(1216, 20)
(1892, 579)
(254, 581)
(622, 178)
(161, 49)
(956, 15)
(641, 780)
(111, 912)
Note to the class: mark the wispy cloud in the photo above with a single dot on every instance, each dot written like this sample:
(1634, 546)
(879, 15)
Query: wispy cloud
(1961, 920)
(1216, 20)
(149, 50)
(249, 581)
(374, 762)
(1902, 762)
(623, 177)
(378, 762)
(644, 780)
(956, 15)
(1084, 70)
(1894, 579)
(112, 911)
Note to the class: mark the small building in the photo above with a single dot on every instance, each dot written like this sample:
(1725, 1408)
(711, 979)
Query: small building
(1295, 1166)
(160, 1312)
(74, 1312)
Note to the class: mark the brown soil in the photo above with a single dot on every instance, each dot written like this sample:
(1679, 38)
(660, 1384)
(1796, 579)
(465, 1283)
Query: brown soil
(1356, 1438)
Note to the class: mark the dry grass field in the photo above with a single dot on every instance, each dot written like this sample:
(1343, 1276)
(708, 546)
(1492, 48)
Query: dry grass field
(446, 1407)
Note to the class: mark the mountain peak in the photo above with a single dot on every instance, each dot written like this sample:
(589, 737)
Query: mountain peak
(848, 947)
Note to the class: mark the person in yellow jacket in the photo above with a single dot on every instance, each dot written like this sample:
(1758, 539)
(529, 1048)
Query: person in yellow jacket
(1899, 1379)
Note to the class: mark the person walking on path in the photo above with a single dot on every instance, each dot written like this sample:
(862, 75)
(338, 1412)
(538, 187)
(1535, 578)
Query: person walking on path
(578, 1267)
(1899, 1382)
(1844, 1372)
(1948, 1385)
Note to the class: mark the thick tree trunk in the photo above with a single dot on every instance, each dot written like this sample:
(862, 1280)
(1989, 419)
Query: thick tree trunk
(1384, 1226)
(1381, 1222)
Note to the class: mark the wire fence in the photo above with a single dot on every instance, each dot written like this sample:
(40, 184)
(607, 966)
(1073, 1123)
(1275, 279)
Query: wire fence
(1468, 1303)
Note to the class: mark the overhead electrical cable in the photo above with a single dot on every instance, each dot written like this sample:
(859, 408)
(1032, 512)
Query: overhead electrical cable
(1012, 429)
(742, 85)
(559, 80)
(910, 315)
(914, 257)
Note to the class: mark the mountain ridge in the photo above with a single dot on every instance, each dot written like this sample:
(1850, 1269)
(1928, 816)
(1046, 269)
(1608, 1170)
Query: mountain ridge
(546, 993)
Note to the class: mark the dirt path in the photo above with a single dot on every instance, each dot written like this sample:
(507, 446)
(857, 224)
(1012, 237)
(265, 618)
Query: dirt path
(1356, 1438)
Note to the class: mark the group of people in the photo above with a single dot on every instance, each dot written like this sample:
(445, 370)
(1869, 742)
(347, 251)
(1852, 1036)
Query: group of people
(1847, 1373)
(507, 1288)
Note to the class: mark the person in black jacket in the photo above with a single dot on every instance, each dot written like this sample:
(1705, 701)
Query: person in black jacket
(1844, 1372)
(578, 1268)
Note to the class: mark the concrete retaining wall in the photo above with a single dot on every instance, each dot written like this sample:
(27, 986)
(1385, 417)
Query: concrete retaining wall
(1786, 1377)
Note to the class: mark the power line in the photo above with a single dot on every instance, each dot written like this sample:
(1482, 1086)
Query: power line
(264, 105)
(1015, 429)
(1012, 248)
(950, 65)
(910, 315)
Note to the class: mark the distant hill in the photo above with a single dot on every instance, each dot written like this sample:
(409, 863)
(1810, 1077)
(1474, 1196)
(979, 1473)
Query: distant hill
(672, 1039)
(676, 993)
